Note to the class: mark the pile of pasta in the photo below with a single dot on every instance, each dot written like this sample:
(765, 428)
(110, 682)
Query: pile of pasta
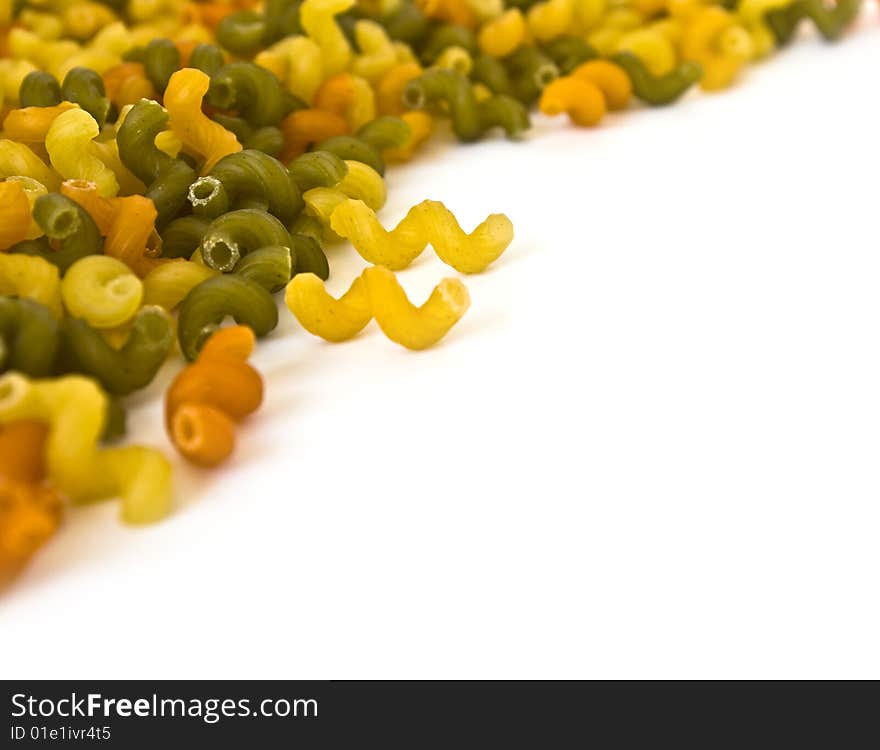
(168, 166)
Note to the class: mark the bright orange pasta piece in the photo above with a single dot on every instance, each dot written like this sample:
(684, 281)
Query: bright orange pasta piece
(127, 83)
(30, 124)
(307, 126)
(389, 91)
(22, 446)
(203, 434)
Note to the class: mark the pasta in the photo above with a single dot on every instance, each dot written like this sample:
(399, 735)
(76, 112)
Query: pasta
(15, 214)
(429, 222)
(102, 291)
(69, 144)
(322, 315)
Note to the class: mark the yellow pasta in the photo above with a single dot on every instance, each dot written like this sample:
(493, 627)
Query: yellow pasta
(69, 143)
(714, 38)
(550, 19)
(183, 100)
(318, 19)
(455, 58)
(364, 183)
(378, 53)
(652, 47)
(75, 409)
(17, 160)
(751, 14)
(32, 277)
(503, 35)
(421, 126)
(322, 315)
(297, 62)
(83, 19)
(429, 222)
(167, 284)
(408, 325)
(102, 291)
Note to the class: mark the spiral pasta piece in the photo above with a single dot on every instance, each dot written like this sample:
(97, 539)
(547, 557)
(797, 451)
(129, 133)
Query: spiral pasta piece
(183, 100)
(318, 19)
(102, 291)
(32, 124)
(324, 316)
(69, 144)
(428, 222)
(33, 278)
(715, 40)
(580, 98)
(15, 214)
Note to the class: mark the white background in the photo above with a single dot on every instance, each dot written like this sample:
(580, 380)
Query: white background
(649, 450)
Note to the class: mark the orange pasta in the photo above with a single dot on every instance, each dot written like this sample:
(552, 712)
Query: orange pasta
(581, 99)
(389, 91)
(351, 97)
(207, 14)
(611, 79)
(128, 223)
(212, 393)
(421, 125)
(30, 124)
(22, 445)
(307, 126)
(127, 83)
(15, 214)
(454, 11)
(183, 100)
(29, 515)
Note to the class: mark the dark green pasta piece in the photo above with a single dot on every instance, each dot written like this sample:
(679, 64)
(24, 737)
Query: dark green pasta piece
(114, 424)
(85, 87)
(169, 190)
(130, 368)
(490, 71)
(470, 119)
(269, 140)
(384, 132)
(271, 267)
(447, 35)
(351, 148)
(251, 174)
(168, 178)
(39, 89)
(28, 337)
(239, 126)
(658, 90)
(252, 91)
(161, 60)
(208, 303)
(783, 22)
(831, 22)
(317, 169)
(308, 255)
(407, 23)
(530, 71)
(182, 237)
(207, 57)
(569, 51)
(68, 226)
(208, 197)
(282, 20)
(237, 233)
(242, 33)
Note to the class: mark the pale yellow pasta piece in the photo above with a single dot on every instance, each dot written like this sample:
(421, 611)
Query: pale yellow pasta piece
(69, 143)
(32, 277)
(752, 14)
(298, 64)
(168, 283)
(101, 290)
(108, 153)
(12, 73)
(504, 34)
(75, 410)
(45, 25)
(364, 183)
(486, 10)
(26, 45)
(652, 47)
(33, 189)
(408, 325)
(455, 58)
(318, 19)
(377, 50)
(323, 315)
(17, 160)
(429, 222)
(83, 19)
(588, 13)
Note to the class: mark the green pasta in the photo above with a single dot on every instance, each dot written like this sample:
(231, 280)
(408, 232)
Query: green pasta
(282, 20)
(568, 51)
(208, 303)
(252, 175)
(317, 169)
(68, 226)
(86, 88)
(407, 23)
(168, 179)
(208, 197)
(384, 132)
(182, 237)
(448, 35)
(28, 337)
(161, 60)
(271, 267)
(268, 139)
(470, 119)
(658, 90)
(490, 71)
(352, 148)
(39, 89)
(831, 22)
(207, 57)
(530, 71)
(130, 368)
(308, 255)
(237, 233)
(252, 91)
(783, 22)
(114, 425)
(243, 32)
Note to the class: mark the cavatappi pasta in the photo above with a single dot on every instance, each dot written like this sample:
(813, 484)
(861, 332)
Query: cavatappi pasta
(168, 167)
